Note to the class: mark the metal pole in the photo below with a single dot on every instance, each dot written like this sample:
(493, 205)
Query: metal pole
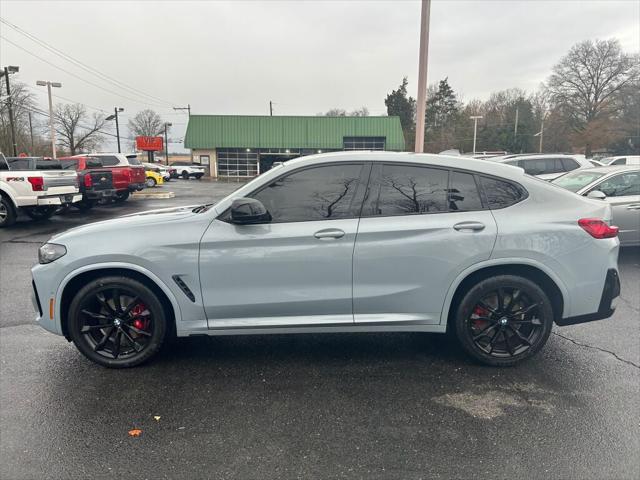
(115, 110)
(475, 133)
(31, 133)
(515, 128)
(422, 74)
(51, 129)
(166, 145)
(270, 108)
(10, 108)
(541, 134)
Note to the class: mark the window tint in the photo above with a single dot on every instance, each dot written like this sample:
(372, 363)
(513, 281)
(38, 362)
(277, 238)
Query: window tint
(321, 193)
(541, 166)
(69, 164)
(3, 164)
(407, 190)
(42, 164)
(500, 193)
(93, 163)
(569, 164)
(620, 161)
(133, 161)
(110, 160)
(463, 193)
(19, 163)
(621, 185)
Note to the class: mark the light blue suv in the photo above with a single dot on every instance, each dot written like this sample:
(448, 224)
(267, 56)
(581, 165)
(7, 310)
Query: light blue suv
(342, 242)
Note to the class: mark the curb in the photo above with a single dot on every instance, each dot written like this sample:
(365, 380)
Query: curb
(153, 195)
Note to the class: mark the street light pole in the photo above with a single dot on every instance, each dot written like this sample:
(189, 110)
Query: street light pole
(11, 69)
(422, 75)
(475, 129)
(42, 83)
(115, 111)
(166, 143)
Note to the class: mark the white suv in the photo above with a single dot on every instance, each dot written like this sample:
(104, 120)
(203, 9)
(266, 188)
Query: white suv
(547, 166)
(188, 169)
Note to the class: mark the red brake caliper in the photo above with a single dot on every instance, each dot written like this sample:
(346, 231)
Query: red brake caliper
(139, 322)
(478, 311)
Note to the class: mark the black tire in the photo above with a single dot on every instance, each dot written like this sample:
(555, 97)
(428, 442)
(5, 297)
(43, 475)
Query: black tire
(198, 176)
(107, 331)
(40, 213)
(185, 175)
(85, 205)
(503, 332)
(150, 182)
(7, 212)
(121, 197)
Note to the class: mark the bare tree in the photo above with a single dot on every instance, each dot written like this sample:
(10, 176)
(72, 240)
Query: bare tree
(146, 123)
(22, 103)
(587, 82)
(77, 132)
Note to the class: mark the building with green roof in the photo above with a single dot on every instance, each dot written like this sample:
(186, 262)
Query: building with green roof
(245, 146)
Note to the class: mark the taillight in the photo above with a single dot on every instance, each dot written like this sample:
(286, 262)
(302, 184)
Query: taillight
(127, 173)
(88, 181)
(598, 228)
(37, 183)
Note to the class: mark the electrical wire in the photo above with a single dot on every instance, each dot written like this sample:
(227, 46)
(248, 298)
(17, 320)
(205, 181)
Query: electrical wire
(84, 66)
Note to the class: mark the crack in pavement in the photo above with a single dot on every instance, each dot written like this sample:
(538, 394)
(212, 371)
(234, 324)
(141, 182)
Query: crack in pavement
(628, 362)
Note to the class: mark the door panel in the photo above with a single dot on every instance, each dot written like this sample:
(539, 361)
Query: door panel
(403, 266)
(626, 216)
(277, 274)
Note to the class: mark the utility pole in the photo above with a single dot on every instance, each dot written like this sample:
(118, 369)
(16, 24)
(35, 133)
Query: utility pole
(475, 119)
(422, 74)
(515, 128)
(31, 132)
(42, 83)
(115, 117)
(7, 70)
(541, 135)
(166, 143)
(270, 108)
(187, 108)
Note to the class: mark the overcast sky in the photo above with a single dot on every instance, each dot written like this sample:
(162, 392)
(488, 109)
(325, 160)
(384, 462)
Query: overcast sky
(232, 57)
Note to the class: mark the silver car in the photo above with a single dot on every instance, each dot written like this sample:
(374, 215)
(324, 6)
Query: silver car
(546, 166)
(619, 187)
(340, 242)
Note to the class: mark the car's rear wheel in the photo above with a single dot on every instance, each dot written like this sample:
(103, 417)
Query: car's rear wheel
(85, 205)
(503, 320)
(121, 197)
(150, 182)
(7, 212)
(117, 322)
(185, 175)
(198, 176)
(40, 213)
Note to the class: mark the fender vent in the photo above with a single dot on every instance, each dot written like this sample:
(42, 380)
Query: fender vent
(185, 289)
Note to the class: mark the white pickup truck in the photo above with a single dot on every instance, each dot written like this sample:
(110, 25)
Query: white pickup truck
(30, 185)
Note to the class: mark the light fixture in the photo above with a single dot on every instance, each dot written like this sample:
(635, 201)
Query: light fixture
(319, 151)
(287, 151)
(248, 149)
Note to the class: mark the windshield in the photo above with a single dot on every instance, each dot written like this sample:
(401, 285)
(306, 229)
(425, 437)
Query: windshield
(574, 181)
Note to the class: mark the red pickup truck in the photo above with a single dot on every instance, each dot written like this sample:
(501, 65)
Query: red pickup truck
(128, 173)
(95, 181)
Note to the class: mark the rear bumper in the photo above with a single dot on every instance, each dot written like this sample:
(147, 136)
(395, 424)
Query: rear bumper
(99, 194)
(59, 199)
(610, 291)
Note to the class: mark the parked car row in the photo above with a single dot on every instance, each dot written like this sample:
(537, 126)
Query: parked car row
(39, 186)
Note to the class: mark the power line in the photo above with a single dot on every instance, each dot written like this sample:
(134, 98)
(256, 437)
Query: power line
(83, 65)
(76, 76)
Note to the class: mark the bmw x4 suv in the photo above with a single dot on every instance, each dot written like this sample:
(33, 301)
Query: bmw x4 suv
(341, 242)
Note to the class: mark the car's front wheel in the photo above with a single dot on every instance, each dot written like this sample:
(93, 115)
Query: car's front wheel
(121, 196)
(117, 322)
(151, 182)
(7, 212)
(503, 320)
(185, 175)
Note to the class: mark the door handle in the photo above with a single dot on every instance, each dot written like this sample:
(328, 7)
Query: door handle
(329, 233)
(633, 206)
(469, 226)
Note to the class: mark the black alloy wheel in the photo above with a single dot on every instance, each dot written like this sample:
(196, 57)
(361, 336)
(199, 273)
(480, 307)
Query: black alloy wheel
(117, 322)
(503, 320)
(7, 212)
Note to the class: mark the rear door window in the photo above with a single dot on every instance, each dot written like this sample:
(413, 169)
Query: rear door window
(621, 185)
(569, 164)
(619, 161)
(93, 163)
(109, 160)
(69, 164)
(463, 193)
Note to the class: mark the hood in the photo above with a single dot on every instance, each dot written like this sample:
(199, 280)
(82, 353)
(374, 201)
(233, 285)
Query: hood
(132, 222)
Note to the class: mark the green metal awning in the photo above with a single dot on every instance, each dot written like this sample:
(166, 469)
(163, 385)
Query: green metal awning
(233, 131)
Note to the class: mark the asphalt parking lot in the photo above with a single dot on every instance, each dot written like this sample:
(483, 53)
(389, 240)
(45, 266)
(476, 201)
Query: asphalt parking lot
(311, 406)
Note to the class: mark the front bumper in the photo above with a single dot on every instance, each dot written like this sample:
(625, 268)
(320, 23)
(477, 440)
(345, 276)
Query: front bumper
(59, 199)
(610, 291)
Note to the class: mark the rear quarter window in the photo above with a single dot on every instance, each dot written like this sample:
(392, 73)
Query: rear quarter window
(109, 160)
(501, 193)
(19, 163)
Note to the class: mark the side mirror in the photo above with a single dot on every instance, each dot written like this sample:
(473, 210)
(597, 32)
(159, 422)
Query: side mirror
(597, 194)
(249, 211)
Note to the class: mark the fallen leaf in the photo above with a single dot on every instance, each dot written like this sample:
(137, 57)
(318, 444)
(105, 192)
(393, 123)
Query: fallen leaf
(135, 432)
(156, 418)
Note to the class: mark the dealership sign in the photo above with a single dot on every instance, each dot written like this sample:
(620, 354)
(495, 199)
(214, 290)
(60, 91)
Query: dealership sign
(149, 144)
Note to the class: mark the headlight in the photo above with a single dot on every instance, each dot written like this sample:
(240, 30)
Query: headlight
(50, 252)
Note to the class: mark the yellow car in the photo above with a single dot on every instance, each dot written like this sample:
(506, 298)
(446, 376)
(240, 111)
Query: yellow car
(153, 178)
